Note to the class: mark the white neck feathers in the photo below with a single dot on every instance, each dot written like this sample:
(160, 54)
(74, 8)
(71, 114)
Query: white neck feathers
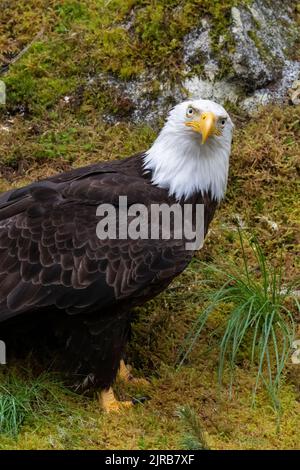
(181, 164)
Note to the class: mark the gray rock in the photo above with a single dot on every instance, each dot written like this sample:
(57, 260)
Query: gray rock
(278, 93)
(197, 44)
(141, 105)
(294, 92)
(197, 49)
(262, 32)
(259, 71)
(219, 91)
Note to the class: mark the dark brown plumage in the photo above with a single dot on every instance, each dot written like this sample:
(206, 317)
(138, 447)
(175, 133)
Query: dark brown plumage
(56, 273)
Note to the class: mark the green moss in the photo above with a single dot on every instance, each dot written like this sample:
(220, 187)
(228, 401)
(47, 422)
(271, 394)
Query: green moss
(83, 39)
(73, 423)
(263, 50)
(264, 168)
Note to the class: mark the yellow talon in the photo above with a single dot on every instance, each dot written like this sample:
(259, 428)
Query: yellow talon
(109, 403)
(124, 374)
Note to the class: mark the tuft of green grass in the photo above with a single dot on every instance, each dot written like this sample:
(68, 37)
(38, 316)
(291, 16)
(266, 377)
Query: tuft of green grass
(23, 398)
(260, 319)
(193, 438)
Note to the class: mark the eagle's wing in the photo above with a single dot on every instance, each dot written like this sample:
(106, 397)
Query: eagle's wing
(50, 253)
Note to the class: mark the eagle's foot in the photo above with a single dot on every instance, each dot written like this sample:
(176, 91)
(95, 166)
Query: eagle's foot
(126, 376)
(109, 403)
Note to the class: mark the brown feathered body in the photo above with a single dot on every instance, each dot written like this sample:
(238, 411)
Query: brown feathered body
(57, 275)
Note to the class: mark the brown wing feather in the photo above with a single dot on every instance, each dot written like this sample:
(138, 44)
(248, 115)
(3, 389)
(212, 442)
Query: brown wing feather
(50, 254)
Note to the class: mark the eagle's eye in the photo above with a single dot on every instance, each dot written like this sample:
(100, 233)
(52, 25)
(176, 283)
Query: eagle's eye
(190, 112)
(222, 121)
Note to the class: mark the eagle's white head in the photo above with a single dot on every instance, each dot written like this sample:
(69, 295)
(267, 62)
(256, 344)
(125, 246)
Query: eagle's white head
(191, 153)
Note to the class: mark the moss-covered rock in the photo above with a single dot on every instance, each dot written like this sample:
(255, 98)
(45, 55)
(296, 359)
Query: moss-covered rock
(139, 57)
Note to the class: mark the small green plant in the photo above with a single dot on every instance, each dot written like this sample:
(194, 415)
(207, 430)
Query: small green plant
(193, 438)
(260, 316)
(21, 398)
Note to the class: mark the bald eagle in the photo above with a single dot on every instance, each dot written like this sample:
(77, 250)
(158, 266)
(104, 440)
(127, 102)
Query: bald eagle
(57, 273)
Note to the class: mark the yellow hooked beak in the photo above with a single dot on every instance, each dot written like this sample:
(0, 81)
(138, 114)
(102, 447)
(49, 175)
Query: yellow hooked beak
(206, 125)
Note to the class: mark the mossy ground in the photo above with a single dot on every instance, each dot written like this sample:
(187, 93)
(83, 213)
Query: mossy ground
(44, 133)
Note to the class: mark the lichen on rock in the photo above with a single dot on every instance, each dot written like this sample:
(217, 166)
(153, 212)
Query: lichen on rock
(248, 63)
(259, 69)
